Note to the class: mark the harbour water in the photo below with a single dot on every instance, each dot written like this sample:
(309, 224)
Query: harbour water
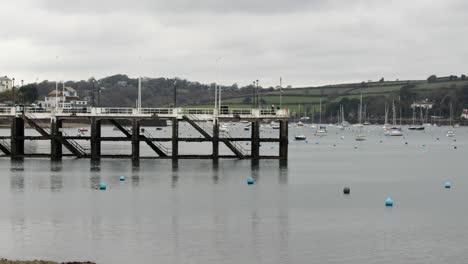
(196, 211)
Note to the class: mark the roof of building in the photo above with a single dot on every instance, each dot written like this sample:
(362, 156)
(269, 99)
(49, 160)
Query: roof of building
(5, 78)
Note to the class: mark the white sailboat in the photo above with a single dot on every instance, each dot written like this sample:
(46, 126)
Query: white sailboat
(360, 136)
(322, 130)
(451, 133)
(341, 121)
(394, 131)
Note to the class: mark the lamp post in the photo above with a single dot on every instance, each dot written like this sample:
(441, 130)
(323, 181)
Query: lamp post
(14, 92)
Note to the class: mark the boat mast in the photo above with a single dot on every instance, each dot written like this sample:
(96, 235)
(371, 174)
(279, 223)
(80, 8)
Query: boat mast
(394, 113)
(320, 111)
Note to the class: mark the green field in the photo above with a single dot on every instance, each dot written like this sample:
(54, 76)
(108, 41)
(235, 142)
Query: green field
(296, 99)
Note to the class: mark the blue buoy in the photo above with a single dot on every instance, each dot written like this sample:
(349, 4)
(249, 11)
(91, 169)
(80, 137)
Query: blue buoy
(122, 178)
(250, 180)
(448, 185)
(389, 202)
(306, 141)
(102, 186)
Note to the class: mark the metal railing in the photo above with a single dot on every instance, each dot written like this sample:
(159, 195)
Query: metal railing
(75, 144)
(157, 111)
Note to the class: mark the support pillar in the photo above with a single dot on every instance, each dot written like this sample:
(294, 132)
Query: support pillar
(175, 139)
(255, 150)
(135, 139)
(95, 138)
(55, 139)
(17, 138)
(215, 139)
(283, 140)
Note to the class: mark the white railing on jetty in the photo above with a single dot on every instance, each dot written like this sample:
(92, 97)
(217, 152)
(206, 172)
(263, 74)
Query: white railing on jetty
(200, 113)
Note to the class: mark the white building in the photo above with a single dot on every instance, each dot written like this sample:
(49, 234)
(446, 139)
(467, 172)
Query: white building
(67, 99)
(5, 83)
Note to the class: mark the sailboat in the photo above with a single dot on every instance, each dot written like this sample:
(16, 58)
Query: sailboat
(386, 125)
(417, 127)
(341, 122)
(360, 136)
(394, 130)
(451, 133)
(366, 121)
(322, 130)
(359, 123)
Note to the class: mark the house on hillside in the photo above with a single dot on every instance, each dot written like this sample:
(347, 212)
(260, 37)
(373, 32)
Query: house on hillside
(5, 83)
(66, 98)
(425, 104)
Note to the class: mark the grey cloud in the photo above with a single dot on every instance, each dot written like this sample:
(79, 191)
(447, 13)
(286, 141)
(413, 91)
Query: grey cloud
(306, 42)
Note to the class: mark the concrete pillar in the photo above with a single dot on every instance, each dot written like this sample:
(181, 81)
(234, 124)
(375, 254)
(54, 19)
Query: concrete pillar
(283, 140)
(175, 139)
(255, 145)
(55, 139)
(95, 138)
(135, 139)
(215, 139)
(17, 138)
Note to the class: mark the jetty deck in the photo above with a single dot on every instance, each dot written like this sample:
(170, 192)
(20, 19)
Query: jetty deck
(49, 123)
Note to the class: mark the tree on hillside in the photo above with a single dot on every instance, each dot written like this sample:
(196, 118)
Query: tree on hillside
(463, 77)
(432, 78)
(28, 93)
(382, 79)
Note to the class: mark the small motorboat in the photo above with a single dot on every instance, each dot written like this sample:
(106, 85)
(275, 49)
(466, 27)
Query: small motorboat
(159, 128)
(450, 133)
(300, 137)
(321, 131)
(247, 128)
(223, 128)
(360, 137)
(394, 132)
(82, 130)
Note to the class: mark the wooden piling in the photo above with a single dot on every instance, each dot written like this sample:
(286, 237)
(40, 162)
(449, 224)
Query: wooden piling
(95, 138)
(17, 138)
(175, 139)
(255, 145)
(283, 140)
(215, 140)
(135, 139)
(55, 139)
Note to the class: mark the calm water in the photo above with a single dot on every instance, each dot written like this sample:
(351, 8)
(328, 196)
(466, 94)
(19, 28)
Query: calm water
(199, 212)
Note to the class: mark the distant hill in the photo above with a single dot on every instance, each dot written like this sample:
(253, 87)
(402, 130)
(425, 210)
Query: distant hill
(121, 90)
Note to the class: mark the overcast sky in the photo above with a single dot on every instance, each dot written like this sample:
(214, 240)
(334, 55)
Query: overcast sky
(307, 42)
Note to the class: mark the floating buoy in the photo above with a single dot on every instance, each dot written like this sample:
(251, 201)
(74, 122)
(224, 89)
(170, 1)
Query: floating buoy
(447, 185)
(122, 178)
(102, 186)
(346, 190)
(389, 202)
(306, 141)
(355, 147)
(250, 180)
(380, 141)
(423, 145)
(334, 145)
(437, 138)
(406, 143)
(316, 143)
(455, 147)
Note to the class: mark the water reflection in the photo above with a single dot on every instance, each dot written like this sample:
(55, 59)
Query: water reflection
(215, 171)
(56, 182)
(17, 164)
(283, 173)
(254, 167)
(175, 174)
(56, 166)
(95, 165)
